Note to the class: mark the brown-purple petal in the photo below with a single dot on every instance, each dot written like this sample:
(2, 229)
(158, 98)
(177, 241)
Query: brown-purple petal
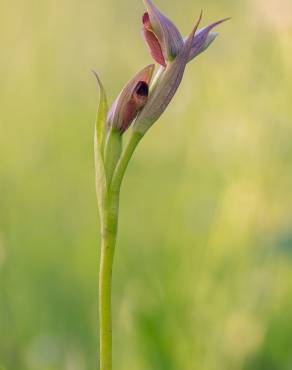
(152, 41)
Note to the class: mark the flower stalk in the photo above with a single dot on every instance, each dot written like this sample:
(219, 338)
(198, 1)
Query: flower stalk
(109, 213)
(138, 106)
(108, 240)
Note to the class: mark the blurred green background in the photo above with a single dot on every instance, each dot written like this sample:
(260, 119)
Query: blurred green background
(202, 277)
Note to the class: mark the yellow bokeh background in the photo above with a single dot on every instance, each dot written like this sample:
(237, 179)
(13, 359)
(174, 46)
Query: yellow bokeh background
(202, 275)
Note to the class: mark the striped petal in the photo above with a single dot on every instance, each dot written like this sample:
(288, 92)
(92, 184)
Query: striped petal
(167, 34)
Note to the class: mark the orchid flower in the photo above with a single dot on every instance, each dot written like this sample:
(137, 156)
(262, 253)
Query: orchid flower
(172, 52)
(140, 104)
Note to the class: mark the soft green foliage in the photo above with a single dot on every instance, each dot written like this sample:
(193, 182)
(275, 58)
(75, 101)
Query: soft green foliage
(99, 144)
(203, 277)
(102, 110)
(113, 152)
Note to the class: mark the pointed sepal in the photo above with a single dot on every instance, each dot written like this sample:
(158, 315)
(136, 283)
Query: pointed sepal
(167, 34)
(203, 39)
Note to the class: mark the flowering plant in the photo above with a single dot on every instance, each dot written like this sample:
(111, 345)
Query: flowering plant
(139, 105)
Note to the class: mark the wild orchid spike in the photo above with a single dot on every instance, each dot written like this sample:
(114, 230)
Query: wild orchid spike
(130, 101)
(161, 35)
(143, 99)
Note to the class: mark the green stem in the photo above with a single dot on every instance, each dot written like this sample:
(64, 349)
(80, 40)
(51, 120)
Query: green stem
(109, 226)
(124, 161)
(109, 234)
